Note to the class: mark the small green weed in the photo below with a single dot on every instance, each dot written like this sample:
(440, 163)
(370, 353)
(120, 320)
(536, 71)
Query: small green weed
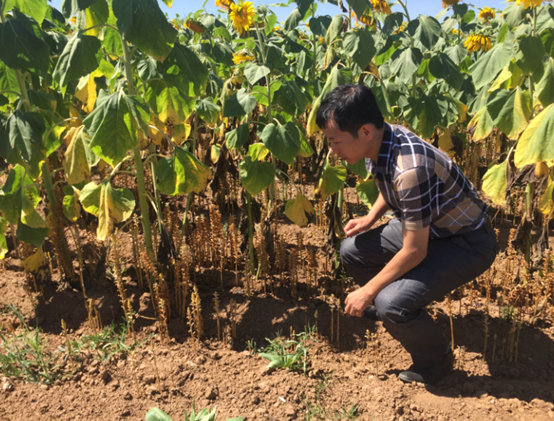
(288, 353)
(156, 414)
(316, 410)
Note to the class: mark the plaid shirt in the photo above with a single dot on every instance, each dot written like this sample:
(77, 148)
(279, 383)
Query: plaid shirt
(423, 187)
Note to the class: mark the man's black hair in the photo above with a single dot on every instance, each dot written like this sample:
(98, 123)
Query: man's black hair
(351, 106)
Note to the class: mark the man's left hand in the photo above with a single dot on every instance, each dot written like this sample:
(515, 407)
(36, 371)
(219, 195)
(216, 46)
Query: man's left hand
(357, 301)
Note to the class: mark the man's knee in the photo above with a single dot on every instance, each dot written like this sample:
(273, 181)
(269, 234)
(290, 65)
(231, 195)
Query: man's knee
(348, 251)
(391, 306)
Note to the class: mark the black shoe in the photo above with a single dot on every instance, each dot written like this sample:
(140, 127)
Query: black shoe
(429, 374)
(371, 313)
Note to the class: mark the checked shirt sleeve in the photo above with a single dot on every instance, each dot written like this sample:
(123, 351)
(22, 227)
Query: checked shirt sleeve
(417, 192)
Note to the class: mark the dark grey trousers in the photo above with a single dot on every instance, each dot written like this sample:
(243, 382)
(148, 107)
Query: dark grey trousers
(450, 263)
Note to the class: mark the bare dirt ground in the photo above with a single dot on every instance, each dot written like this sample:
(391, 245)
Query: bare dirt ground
(340, 375)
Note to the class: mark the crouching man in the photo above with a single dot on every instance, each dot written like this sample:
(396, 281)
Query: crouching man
(438, 240)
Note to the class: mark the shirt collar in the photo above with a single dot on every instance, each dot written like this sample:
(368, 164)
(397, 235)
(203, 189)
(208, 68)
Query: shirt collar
(383, 161)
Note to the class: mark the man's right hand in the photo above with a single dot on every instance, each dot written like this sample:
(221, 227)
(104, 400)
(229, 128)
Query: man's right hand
(358, 225)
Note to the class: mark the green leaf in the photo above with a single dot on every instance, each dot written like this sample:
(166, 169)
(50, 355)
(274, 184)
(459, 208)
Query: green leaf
(34, 236)
(237, 137)
(428, 31)
(305, 148)
(256, 176)
(21, 46)
(239, 104)
(487, 67)
(279, 141)
(291, 98)
(359, 169)
(42, 100)
(545, 88)
(535, 144)
(529, 54)
(17, 202)
(255, 72)
(359, 6)
(367, 192)
(510, 111)
(110, 205)
(182, 173)
(77, 59)
(293, 20)
(71, 7)
(3, 243)
(97, 14)
(114, 125)
(156, 414)
(25, 141)
(483, 124)
(112, 39)
(258, 151)
(207, 110)
(297, 210)
(8, 81)
(319, 25)
(142, 23)
(405, 63)
(79, 158)
(331, 181)
(36, 9)
(360, 46)
(335, 29)
(441, 66)
(260, 92)
(547, 38)
(70, 205)
(168, 103)
(191, 69)
(494, 183)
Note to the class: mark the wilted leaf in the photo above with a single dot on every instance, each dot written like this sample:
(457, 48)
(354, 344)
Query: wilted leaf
(297, 210)
(535, 144)
(79, 158)
(494, 183)
(331, 181)
(34, 262)
(182, 173)
(368, 192)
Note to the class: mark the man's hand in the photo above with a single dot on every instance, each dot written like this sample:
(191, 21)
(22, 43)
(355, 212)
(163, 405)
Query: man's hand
(357, 301)
(356, 226)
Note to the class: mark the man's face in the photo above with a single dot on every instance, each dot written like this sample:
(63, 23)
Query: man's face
(346, 146)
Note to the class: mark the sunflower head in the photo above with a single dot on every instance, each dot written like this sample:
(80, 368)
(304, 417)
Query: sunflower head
(240, 58)
(487, 13)
(224, 4)
(531, 3)
(456, 32)
(477, 42)
(194, 26)
(381, 6)
(447, 3)
(242, 15)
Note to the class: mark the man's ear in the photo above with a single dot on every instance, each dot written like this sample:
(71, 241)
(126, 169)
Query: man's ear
(367, 131)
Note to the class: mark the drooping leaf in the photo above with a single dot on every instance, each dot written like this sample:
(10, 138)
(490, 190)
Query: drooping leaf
(535, 144)
(358, 168)
(8, 81)
(71, 207)
(77, 59)
(483, 124)
(87, 90)
(19, 197)
(112, 39)
(25, 141)
(280, 142)
(405, 63)
(34, 236)
(110, 205)
(510, 111)
(239, 104)
(441, 66)
(71, 7)
(255, 72)
(494, 183)
(428, 31)
(311, 126)
(190, 69)
(114, 125)
(331, 181)
(256, 176)
(545, 88)
(97, 14)
(170, 105)
(237, 137)
(22, 45)
(79, 158)
(335, 29)
(359, 6)
(368, 192)
(3, 243)
(142, 23)
(34, 262)
(493, 61)
(182, 173)
(297, 210)
(360, 46)
(207, 110)
(529, 54)
(291, 98)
